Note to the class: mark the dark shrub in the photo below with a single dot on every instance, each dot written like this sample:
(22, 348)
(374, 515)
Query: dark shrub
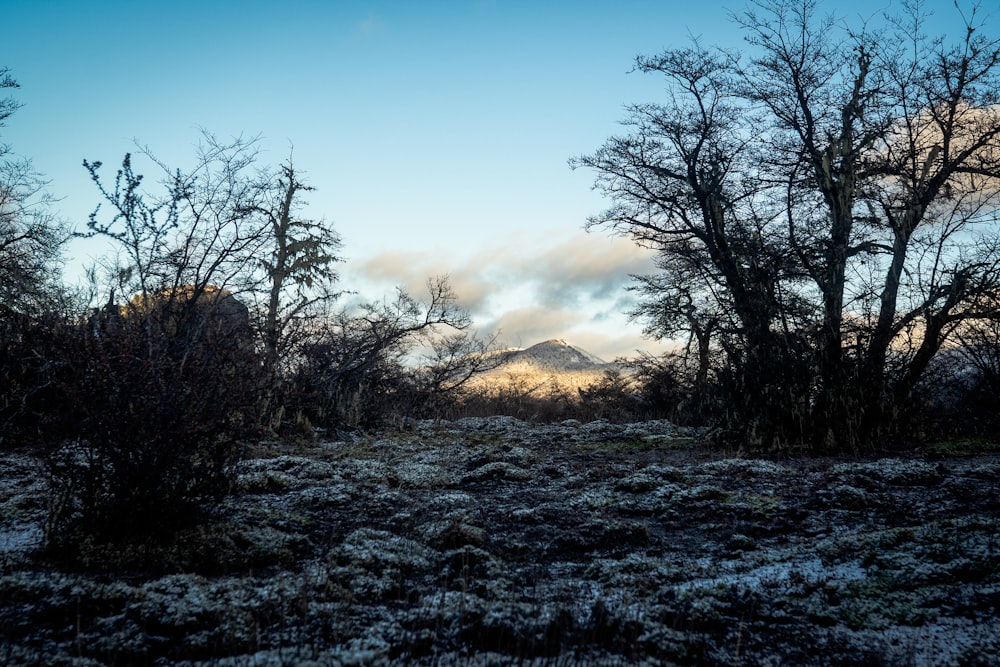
(143, 413)
(614, 397)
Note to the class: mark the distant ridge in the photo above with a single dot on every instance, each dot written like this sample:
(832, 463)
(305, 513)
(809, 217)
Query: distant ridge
(544, 368)
(557, 354)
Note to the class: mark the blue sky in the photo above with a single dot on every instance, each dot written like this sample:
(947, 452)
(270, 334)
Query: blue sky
(437, 134)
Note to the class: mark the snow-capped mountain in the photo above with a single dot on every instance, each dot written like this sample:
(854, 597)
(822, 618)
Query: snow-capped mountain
(556, 354)
(545, 367)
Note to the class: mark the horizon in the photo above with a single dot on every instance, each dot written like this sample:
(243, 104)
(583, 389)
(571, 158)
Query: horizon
(436, 135)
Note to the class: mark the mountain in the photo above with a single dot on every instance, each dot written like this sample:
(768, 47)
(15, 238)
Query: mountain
(557, 355)
(554, 365)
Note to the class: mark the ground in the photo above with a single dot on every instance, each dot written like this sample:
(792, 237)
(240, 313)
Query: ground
(494, 542)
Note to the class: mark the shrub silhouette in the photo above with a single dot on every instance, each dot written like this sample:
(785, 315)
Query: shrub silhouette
(149, 403)
(189, 321)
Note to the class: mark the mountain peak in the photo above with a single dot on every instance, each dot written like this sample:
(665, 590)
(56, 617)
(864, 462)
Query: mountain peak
(559, 354)
(552, 365)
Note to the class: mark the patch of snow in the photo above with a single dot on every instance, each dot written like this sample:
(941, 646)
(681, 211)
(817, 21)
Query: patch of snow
(894, 471)
(497, 470)
(448, 499)
(498, 424)
(20, 537)
(775, 574)
(420, 475)
(744, 467)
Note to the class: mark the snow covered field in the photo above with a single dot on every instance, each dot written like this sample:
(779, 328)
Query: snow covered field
(494, 542)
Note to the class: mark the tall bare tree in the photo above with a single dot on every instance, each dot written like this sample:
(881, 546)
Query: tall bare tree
(299, 258)
(837, 189)
(359, 366)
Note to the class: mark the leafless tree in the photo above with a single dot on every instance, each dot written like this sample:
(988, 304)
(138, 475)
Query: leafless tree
(31, 235)
(365, 362)
(146, 403)
(835, 189)
(196, 232)
(297, 265)
(31, 240)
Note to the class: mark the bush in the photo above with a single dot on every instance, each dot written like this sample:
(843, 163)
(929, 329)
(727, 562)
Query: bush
(357, 368)
(670, 387)
(141, 424)
(521, 397)
(615, 397)
(28, 365)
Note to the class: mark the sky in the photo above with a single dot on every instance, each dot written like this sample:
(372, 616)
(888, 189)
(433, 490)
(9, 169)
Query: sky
(437, 134)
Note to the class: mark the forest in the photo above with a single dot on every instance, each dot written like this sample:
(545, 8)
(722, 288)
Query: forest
(824, 212)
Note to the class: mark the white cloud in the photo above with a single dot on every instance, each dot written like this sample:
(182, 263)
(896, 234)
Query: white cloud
(522, 327)
(573, 288)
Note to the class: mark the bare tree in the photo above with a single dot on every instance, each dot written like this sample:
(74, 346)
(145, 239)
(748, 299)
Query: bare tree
(31, 236)
(8, 105)
(685, 182)
(677, 301)
(196, 232)
(363, 363)
(455, 356)
(298, 262)
(835, 189)
(147, 402)
(31, 240)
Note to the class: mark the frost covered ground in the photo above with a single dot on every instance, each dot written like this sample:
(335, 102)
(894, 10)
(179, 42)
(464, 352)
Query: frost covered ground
(492, 542)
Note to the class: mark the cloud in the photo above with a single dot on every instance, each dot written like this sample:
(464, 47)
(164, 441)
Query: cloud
(522, 327)
(571, 288)
(585, 268)
(410, 271)
(396, 267)
(570, 274)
